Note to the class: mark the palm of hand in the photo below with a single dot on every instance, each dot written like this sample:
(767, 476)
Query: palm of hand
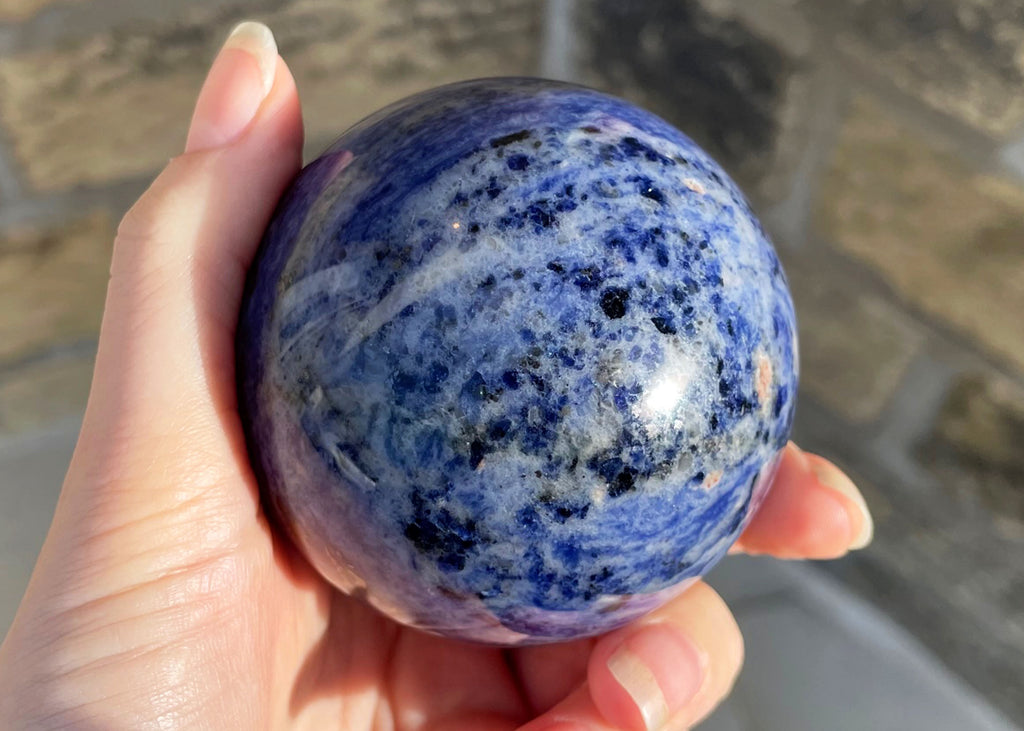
(330, 661)
(340, 664)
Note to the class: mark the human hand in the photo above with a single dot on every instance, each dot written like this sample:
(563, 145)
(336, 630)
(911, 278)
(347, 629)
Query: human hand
(162, 598)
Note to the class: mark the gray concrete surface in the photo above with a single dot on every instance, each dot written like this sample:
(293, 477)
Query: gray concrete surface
(819, 658)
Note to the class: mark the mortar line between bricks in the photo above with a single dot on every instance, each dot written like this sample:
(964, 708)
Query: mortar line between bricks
(1011, 158)
(915, 403)
(558, 44)
(11, 189)
(827, 98)
(17, 443)
(818, 429)
(860, 431)
(52, 209)
(945, 335)
(792, 215)
(910, 417)
(974, 147)
(58, 351)
(960, 134)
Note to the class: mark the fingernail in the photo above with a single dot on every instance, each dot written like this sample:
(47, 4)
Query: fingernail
(241, 77)
(832, 477)
(660, 669)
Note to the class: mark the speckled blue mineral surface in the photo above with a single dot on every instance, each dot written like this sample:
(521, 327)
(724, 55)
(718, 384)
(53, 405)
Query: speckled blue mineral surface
(516, 361)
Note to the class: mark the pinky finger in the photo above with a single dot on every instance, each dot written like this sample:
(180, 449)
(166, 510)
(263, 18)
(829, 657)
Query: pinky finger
(668, 670)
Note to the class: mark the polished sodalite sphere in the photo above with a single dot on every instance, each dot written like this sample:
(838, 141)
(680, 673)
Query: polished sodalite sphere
(516, 361)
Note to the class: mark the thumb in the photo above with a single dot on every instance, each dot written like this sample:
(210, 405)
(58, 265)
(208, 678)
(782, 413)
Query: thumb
(160, 430)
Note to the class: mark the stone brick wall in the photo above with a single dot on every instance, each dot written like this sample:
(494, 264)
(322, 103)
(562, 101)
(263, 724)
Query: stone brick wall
(882, 141)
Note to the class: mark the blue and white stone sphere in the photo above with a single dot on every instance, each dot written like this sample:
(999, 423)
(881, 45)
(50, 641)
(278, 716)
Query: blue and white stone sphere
(516, 361)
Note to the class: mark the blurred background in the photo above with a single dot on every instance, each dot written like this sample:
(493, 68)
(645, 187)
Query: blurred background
(882, 143)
